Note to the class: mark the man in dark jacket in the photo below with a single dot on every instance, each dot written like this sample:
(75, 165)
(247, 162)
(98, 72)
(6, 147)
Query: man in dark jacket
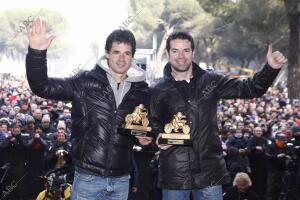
(276, 157)
(36, 147)
(187, 88)
(101, 99)
(257, 146)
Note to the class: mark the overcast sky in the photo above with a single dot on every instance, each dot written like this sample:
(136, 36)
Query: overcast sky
(89, 20)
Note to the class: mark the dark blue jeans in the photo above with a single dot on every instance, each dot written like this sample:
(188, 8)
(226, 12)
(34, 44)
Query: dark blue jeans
(91, 187)
(209, 193)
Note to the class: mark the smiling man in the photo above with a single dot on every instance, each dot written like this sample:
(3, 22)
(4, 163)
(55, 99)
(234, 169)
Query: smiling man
(101, 98)
(188, 89)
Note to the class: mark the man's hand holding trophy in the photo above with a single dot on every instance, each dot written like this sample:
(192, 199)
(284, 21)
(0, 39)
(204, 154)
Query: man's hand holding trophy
(137, 124)
(177, 132)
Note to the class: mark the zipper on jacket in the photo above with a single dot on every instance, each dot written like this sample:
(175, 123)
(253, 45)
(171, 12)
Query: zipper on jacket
(113, 124)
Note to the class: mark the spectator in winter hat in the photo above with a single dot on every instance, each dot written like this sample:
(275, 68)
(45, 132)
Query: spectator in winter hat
(17, 109)
(30, 124)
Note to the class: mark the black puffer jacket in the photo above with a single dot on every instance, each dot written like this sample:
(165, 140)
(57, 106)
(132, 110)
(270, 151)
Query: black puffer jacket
(202, 165)
(96, 146)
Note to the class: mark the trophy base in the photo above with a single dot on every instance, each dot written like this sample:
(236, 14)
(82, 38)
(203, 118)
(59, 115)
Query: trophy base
(176, 136)
(138, 128)
(175, 139)
(128, 132)
(175, 142)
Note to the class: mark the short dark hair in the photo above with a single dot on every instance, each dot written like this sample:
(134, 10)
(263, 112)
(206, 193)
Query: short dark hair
(183, 35)
(121, 36)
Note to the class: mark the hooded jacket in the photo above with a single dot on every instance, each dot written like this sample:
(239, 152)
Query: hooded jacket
(97, 148)
(202, 164)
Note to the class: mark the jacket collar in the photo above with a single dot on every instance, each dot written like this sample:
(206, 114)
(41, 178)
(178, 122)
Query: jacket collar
(99, 73)
(197, 71)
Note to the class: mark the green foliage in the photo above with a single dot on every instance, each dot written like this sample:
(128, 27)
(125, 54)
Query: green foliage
(13, 34)
(250, 26)
(222, 29)
(155, 14)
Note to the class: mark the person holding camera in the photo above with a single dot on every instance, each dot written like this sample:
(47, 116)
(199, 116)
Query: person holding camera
(256, 148)
(36, 148)
(58, 154)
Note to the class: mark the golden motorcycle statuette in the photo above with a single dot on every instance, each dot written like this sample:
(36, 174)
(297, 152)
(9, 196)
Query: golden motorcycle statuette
(137, 122)
(177, 132)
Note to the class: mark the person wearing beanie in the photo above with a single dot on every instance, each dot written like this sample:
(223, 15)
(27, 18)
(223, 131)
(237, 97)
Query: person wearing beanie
(30, 124)
(46, 124)
(48, 128)
(11, 115)
(17, 109)
(276, 158)
(36, 148)
(37, 115)
(238, 143)
(61, 125)
(68, 122)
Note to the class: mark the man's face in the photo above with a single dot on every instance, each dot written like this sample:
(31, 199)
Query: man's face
(18, 123)
(24, 107)
(38, 114)
(16, 109)
(3, 128)
(16, 131)
(180, 55)
(31, 125)
(45, 123)
(258, 132)
(119, 57)
(61, 136)
(60, 105)
(66, 111)
(240, 125)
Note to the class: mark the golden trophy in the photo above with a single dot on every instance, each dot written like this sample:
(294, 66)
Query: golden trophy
(177, 132)
(137, 122)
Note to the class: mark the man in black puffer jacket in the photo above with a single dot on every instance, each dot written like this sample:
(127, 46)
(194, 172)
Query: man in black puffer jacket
(101, 98)
(187, 88)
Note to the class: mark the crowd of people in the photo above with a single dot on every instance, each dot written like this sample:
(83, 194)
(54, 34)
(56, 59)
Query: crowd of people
(34, 138)
(260, 137)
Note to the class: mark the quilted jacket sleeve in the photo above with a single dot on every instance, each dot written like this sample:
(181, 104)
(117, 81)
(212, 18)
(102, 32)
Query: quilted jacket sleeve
(250, 88)
(41, 84)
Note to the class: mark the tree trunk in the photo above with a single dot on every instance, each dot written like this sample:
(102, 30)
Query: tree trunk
(206, 46)
(162, 48)
(293, 63)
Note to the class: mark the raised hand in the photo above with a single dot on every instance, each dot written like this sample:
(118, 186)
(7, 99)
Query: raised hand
(275, 59)
(37, 35)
